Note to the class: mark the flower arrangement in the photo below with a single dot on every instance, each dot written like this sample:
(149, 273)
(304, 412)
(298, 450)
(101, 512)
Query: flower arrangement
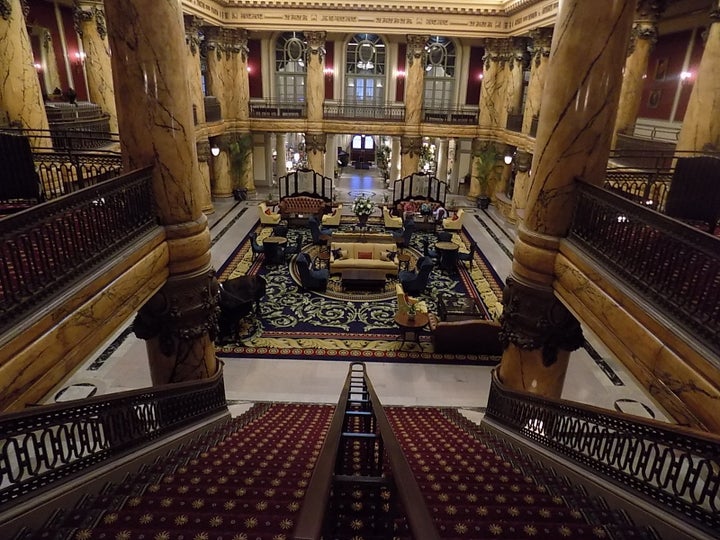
(362, 206)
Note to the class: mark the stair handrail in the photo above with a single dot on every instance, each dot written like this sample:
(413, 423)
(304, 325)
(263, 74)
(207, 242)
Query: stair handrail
(675, 468)
(311, 518)
(44, 446)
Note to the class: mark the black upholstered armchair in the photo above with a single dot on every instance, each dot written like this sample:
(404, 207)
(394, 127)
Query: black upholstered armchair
(257, 249)
(415, 281)
(316, 231)
(310, 278)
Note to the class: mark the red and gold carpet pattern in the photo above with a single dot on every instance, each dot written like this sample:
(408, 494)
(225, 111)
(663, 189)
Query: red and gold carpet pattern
(477, 486)
(245, 482)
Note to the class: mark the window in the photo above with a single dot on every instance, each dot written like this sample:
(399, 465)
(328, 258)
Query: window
(290, 67)
(439, 73)
(365, 65)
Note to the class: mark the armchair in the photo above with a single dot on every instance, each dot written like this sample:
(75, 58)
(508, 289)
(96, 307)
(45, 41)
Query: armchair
(405, 300)
(402, 238)
(257, 249)
(454, 223)
(267, 216)
(310, 278)
(468, 256)
(391, 222)
(333, 219)
(316, 231)
(415, 281)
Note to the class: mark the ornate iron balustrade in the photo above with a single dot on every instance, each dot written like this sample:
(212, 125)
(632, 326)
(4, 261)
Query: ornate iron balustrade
(462, 116)
(669, 263)
(675, 468)
(45, 446)
(277, 109)
(342, 111)
(647, 188)
(45, 247)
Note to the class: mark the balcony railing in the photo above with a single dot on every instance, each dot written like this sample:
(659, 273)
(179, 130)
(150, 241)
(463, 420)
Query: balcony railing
(277, 109)
(461, 116)
(48, 246)
(671, 264)
(354, 111)
(675, 469)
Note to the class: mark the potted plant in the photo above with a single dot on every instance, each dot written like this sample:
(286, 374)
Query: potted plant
(485, 167)
(239, 151)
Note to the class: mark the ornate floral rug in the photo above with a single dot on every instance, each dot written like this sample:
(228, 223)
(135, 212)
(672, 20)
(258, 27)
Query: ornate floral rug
(347, 325)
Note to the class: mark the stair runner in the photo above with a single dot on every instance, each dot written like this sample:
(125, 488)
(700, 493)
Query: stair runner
(477, 485)
(244, 480)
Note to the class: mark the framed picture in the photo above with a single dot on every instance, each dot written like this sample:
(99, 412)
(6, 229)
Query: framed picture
(661, 66)
(654, 98)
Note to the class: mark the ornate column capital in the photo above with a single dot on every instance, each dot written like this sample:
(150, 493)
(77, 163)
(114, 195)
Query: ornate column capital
(415, 47)
(495, 48)
(410, 145)
(535, 319)
(647, 14)
(5, 9)
(523, 160)
(238, 42)
(479, 146)
(193, 25)
(518, 52)
(86, 13)
(315, 142)
(203, 150)
(226, 40)
(540, 46)
(316, 43)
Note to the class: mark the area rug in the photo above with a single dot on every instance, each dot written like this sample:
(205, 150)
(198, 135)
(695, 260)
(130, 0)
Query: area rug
(347, 325)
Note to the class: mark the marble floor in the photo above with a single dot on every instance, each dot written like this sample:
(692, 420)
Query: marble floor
(594, 377)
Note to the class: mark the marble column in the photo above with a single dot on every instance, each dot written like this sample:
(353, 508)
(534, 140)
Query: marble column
(517, 60)
(221, 181)
(415, 80)
(701, 130)
(241, 88)
(315, 151)
(220, 75)
(642, 40)
(315, 80)
(579, 105)
(442, 147)
(330, 156)
(281, 147)
(90, 19)
(20, 93)
(247, 178)
(409, 155)
(179, 322)
(192, 63)
(396, 160)
(452, 176)
(492, 94)
(205, 194)
(539, 52)
(523, 160)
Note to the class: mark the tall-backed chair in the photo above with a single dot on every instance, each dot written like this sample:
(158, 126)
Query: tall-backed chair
(310, 278)
(267, 216)
(468, 256)
(402, 238)
(293, 249)
(415, 281)
(454, 223)
(391, 222)
(333, 218)
(257, 249)
(318, 232)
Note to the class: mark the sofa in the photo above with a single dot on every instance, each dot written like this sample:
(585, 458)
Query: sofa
(345, 255)
(267, 216)
(301, 204)
(454, 223)
(467, 336)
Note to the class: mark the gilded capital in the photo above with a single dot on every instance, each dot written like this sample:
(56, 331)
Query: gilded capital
(518, 52)
(315, 142)
(410, 145)
(534, 319)
(540, 44)
(415, 47)
(192, 32)
(493, 51)
(316, 43)
(5, 9)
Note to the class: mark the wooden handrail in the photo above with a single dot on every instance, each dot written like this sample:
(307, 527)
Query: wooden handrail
(311, 519)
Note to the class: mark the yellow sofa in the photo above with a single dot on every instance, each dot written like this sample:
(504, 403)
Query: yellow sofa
(267, 216)
(362, 255)
(454, 223)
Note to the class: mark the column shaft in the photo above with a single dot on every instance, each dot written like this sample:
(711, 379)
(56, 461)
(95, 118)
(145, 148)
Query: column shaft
(539, 58)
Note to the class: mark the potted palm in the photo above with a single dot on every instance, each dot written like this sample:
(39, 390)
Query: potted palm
(485, 168)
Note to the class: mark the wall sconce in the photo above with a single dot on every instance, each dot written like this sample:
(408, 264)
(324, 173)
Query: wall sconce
(508, 159)
(215, 150)
(79, 58)
(685, 77)
(329, 72)
(400, 74)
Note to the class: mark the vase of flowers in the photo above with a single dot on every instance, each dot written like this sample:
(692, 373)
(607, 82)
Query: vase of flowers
(362, 207)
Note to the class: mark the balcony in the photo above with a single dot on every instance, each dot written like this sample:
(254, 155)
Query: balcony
(278, 109)
(352, 111)
(460, 116)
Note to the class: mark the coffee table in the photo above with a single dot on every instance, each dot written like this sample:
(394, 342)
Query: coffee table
(453, 308)
(371, 278)
(410, 325)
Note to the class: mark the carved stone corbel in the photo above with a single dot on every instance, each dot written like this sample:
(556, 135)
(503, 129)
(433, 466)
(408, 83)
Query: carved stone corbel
(534, 319)
(315, 142)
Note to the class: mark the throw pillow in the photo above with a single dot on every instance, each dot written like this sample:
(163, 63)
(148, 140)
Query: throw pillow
(337, 253)
(268, 211)
(388, 256)
(455, 217)
(365, 255)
